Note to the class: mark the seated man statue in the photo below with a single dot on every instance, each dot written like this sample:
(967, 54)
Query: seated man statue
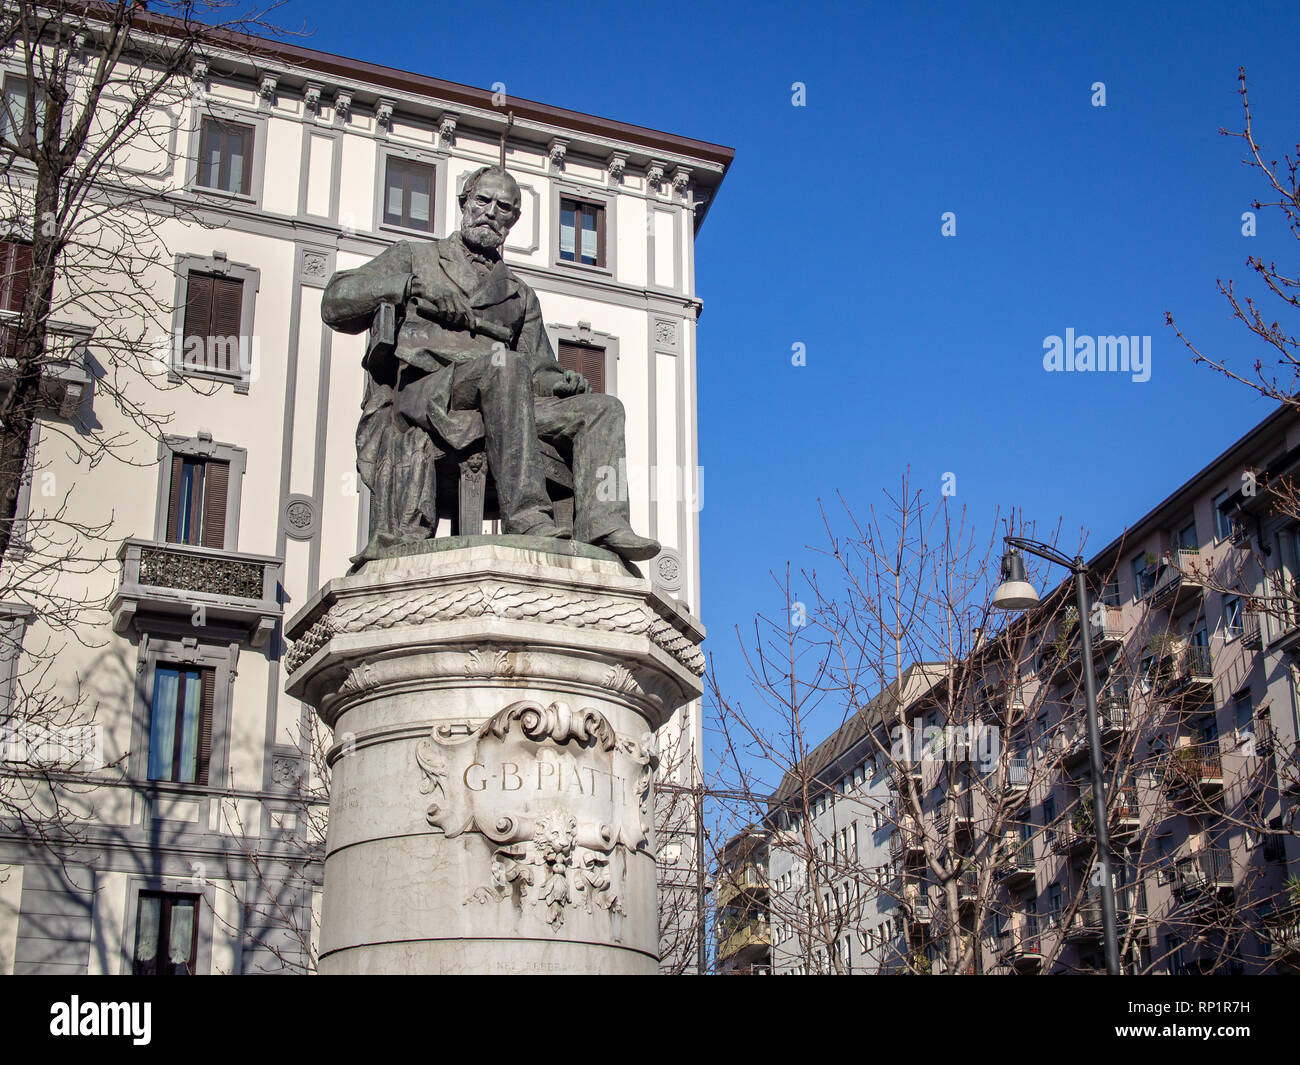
(471, 356)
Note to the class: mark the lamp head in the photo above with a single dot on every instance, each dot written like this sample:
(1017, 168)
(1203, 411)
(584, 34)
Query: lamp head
(1014, 593)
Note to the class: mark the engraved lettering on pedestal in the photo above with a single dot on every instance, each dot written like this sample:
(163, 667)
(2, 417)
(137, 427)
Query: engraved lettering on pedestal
(561, 799)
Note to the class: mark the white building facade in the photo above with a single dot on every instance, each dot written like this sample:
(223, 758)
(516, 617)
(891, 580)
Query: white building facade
(193, 849)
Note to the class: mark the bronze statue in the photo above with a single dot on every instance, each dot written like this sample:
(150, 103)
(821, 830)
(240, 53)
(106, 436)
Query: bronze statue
(471, 360)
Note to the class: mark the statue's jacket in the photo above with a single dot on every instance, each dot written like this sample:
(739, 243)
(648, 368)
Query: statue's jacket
(395, 459)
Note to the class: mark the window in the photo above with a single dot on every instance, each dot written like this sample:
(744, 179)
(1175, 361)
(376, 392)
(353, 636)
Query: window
(13, 116)
(1110, 592)
(166, 934)
(1144, 576)
(1232, 620)
(196, 504)
(1174, 948)
(1222, 522)
(408, 194)
(213, 339)
(226, 156)
(1186, 539)
(586, 359)
(180, 725)
(582, 232)
(1243, 719)
(15, 274)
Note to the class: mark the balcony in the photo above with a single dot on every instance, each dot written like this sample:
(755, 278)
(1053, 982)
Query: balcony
(968, 887)
(1106, 624)
(1021, 947)
(1073, 836)
(1114, 714)
(900, 772)
(1203, 875)
(1177, 581)
(1015, 869)
(1106, 627)
(1124, 820)
(65, 376)
(1131, 903)
(1251, 634)
(906, 841)
(1192, 675)
(1283, 931)
(1018, 777)
(747, 878)
(1086, 924)
(1074, 751)
(1194, 770)
(745, 942)
(183, 584)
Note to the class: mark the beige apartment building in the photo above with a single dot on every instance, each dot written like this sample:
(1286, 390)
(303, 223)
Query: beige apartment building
(1196, 634)
(193, 848)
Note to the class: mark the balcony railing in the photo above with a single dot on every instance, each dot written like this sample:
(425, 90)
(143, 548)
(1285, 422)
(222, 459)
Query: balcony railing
(65, 377)
(1177, 579)
(1017, 863)
(749, 934)
(1107, 624)
(1022, 945)
(1195, 768)
(1114, 715)
(1193, 673)
(1283, 931)
(1207, 870)
(200, 585)
(731, 882)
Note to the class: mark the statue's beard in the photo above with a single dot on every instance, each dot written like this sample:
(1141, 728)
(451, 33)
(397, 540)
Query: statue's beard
(483, 236)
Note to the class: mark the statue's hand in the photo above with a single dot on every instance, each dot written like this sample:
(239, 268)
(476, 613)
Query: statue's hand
(572, 384)
(449, 309)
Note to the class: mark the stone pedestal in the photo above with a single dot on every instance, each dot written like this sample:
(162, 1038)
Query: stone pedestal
(494, 709)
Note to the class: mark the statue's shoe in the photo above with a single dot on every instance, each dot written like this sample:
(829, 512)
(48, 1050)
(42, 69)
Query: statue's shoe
(547, 528)
(626, 544)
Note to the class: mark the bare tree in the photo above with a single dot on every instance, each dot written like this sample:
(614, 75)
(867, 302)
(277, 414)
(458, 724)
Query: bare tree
(955, 772)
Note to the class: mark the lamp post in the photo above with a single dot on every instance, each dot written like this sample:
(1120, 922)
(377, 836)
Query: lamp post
(1016, 593)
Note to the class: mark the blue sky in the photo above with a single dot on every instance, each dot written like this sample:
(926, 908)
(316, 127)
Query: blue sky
(827, 233)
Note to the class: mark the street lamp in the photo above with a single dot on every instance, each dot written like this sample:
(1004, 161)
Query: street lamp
(1016, 593)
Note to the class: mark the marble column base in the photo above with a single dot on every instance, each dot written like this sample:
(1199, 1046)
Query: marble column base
(494, 711)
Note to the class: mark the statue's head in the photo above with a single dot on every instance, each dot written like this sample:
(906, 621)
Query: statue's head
(489, 206)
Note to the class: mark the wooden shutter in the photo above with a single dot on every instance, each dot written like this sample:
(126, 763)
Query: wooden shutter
(586, 360)
(227, 312)
(174, 500)
(198, 306)
(593, 368)
(16, 268)
(216, 480)
(208, 680)
(16, 261)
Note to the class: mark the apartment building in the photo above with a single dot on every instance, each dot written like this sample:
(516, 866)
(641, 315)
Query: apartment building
(193, 850)
(740, 894)
(1195, 632)
(835, 904)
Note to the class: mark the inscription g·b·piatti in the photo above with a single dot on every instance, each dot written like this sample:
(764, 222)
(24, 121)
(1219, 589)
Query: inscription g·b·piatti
(562, 801)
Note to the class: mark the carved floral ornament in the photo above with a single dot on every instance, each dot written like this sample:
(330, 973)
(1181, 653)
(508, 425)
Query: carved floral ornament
(560, 798)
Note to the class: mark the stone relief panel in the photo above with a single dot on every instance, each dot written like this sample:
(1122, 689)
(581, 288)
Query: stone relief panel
(560, 798)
